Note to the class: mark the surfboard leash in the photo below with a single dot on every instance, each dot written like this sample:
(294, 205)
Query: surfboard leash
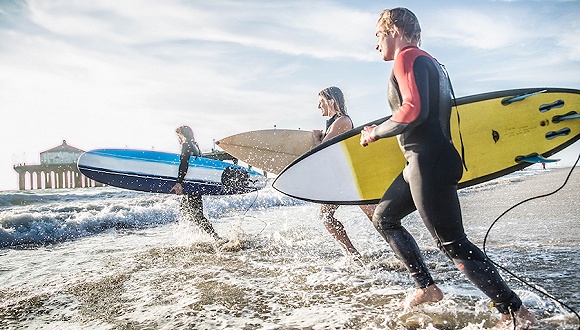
(457, 112)
(523, 281)
(243, 215)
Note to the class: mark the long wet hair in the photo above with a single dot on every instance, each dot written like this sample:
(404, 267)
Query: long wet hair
(404, 21)
(334, 93)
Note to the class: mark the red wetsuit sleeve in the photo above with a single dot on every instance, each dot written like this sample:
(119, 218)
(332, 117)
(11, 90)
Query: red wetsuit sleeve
(403, 69)
(411, 112)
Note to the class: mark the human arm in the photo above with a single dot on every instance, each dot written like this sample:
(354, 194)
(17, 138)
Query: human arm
(411, 79)
(183, 161)
(317, 135)
(340, 125)
(387, 128)
(187, 149)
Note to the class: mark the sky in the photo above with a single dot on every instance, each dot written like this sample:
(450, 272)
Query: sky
(125, 74)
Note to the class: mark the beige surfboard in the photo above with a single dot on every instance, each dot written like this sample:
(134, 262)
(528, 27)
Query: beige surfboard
(271, 149)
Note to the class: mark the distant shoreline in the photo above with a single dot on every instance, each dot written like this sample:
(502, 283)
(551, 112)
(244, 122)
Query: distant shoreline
(534, 167)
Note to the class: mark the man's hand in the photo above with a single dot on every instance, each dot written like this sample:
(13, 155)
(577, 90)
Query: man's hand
(366, 135)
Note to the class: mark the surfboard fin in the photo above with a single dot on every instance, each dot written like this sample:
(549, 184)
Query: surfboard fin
(512, 99)
(570, 115)
(534, 159)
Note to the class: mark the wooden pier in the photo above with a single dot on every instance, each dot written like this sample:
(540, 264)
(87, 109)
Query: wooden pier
(56, 176)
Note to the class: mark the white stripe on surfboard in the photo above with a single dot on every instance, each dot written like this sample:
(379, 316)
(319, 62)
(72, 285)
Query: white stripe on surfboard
(332, 165)
(127, 165)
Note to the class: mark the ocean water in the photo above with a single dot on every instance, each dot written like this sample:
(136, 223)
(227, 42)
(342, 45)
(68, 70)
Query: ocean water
(106, 258)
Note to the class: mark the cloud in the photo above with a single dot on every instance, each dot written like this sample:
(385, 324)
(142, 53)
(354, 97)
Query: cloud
(137, 94)
(505, 45)
(109, 73)
(476, 29)
(298, 28)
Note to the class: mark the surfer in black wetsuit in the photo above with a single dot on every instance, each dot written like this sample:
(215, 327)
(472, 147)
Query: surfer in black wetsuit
(331, 103)
(191, 206)
(420, 97)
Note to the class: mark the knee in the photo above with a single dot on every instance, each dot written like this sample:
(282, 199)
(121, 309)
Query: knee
(461, 249)
(325, 215)
(377, 221)
(451, 249)
(385, 223)
(331, 223)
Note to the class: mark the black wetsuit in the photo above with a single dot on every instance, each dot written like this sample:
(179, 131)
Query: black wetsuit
(331, 121)
(191, 206)
(188, 148)
(420, 98)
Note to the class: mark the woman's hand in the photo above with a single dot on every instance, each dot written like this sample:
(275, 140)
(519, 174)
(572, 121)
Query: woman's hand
(177, 188)
(317, 135)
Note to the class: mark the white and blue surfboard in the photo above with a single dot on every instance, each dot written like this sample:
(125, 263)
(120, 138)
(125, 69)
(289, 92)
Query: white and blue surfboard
(154, 171)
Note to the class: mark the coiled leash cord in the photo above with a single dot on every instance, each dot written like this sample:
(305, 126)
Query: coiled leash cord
(516, 276)
(242, 215)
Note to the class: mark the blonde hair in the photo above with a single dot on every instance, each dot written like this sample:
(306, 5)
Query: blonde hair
(404, 21)
(334, 93)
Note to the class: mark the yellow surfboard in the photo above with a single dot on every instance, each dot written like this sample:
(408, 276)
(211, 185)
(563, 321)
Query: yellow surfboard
(271, 149)
(495, 133)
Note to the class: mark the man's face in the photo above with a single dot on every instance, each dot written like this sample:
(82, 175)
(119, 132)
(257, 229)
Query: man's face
(385, 43)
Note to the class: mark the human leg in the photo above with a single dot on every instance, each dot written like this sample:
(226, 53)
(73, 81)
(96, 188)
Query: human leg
(522, 317)
(440, 209)
(368, 210)
(395, 204)
(191, 207)
(336, 228)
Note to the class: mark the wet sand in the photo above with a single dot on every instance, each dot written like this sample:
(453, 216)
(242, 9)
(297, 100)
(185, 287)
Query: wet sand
(551, 220)
(290, 273)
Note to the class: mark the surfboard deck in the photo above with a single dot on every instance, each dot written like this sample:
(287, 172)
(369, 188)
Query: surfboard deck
(499, 131)
(271, 149)
(154, 171)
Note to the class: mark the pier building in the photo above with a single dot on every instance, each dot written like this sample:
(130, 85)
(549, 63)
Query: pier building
(57, 169)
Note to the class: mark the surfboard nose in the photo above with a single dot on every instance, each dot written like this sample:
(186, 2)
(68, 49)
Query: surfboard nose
(308, 176)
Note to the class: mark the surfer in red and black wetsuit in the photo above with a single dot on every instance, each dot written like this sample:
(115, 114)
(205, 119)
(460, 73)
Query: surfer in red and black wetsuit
(420, 97)
(191, 206)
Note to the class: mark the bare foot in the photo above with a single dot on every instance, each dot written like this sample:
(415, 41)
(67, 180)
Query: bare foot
(354, 254)
(356, 259)
(232, 245)
(431, 293)
(524, 319)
